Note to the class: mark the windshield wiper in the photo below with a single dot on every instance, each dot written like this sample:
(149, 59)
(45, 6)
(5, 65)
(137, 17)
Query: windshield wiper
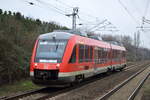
(56, 47)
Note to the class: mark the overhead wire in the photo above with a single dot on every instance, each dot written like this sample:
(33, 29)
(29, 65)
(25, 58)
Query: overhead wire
(60, 11)
(136, 8)
(87, 22)
(106, 27)
(72, 8)
(81, 13)
(133, 18)
(144, 16)
(98, 24)
(52, 6)
(145, 12)
(146, 8)
(64, 3)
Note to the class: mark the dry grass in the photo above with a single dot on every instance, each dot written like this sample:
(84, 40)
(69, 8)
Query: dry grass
(17, 87)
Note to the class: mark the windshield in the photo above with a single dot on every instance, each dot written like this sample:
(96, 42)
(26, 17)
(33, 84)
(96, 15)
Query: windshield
(50, 50)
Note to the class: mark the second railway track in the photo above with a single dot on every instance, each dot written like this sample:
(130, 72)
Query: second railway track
(128, 89)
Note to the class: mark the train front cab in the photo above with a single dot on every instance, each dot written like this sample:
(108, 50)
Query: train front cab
(47, 62)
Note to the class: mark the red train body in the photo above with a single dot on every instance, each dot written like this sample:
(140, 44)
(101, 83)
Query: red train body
(61, 57)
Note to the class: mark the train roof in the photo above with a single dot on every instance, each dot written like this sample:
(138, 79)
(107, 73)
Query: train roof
(117, 47)
(80, 39)
(57, 35)
(100, 43)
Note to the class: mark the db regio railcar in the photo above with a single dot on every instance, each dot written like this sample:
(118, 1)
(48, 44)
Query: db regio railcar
(62, 57)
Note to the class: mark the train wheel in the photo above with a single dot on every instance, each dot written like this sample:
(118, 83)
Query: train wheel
(72, 84)
(78, 80)
(121, 69)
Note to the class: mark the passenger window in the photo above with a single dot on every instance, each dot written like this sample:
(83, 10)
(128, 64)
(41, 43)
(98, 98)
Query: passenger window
(96, 54)
(73, 56)
(86, 54)
(81, 53)
(91, 53)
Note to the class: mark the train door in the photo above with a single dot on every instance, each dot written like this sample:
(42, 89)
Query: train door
(111, 53)
(111, 57)
(95, 60)
(120, 57)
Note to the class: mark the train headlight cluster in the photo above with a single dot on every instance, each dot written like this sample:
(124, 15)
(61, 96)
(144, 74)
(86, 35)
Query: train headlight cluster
(35, 65)
(57, 65)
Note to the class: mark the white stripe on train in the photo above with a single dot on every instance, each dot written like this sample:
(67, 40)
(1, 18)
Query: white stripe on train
(87, 73)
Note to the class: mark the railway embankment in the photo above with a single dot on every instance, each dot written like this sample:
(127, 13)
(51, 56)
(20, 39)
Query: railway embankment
(100, 87)
(17, 87)
(145, 91)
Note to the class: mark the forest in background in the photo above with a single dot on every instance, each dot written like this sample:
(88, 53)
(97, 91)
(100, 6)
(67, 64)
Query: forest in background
(134, 51)
(17, 37)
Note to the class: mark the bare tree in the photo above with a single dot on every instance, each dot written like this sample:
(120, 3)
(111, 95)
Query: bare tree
(136, 43)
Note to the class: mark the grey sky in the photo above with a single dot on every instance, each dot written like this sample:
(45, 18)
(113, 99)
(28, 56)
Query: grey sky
(90, 12)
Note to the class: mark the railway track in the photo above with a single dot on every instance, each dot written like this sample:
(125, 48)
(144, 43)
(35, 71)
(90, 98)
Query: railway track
(43, 93)
(38, 94)
(131, 67)
(20, 95)
(129, 88)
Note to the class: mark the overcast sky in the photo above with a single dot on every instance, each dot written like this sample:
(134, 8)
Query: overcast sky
(126, 15)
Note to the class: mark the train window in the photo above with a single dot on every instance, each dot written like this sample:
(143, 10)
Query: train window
(86, 54)
(49, 49)
(81, 53)
(91, 53)
(120, 54)
(96, 54)
(109, 54)
(123, 54)
(99, 55)
(103, 53)
(114, 54)
(73, 56)
(117, 55)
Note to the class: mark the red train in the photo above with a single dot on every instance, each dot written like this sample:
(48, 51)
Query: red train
(62, 57)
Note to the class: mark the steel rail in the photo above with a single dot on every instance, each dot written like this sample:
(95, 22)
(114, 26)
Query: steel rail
(111, 92)
(14, 97)
(131, 67)
(135, 92)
